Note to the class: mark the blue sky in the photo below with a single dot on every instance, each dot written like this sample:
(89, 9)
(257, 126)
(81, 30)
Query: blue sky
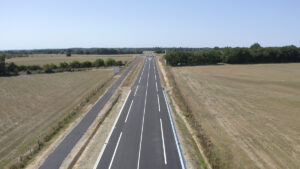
(35, 24)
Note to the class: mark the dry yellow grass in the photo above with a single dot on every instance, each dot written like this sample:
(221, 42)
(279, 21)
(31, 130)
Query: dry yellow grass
(41, 59)
(31, 103)
(250, 112)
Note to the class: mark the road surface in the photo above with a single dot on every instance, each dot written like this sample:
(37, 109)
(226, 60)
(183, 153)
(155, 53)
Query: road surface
(55, 159)
(143, 136)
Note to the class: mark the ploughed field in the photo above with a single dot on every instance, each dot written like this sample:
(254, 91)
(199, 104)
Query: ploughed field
(250, 112)
(41, 59)
(31, 104)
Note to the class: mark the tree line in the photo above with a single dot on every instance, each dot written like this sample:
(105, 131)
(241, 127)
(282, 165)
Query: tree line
(254, 54)
(95, 51)
(7, 69)
(68, 52)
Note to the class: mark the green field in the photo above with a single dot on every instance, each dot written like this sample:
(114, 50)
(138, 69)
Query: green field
(250, 112)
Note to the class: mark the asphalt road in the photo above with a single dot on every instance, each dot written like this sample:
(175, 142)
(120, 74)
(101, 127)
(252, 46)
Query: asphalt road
(55, 159)
(143, 136)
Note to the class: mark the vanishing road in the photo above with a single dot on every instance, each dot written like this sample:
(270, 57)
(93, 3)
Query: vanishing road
(55, 159)
(143, 136)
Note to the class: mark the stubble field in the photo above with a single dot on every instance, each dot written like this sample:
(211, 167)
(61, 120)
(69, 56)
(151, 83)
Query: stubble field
(250, 112)
(31, 104)
(41, 59)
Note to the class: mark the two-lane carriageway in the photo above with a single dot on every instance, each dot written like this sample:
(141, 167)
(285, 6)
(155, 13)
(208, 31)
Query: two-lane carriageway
(143, 136)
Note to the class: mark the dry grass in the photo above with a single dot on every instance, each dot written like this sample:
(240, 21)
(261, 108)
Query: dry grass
(31, 103)
(41, 59)
(250, 112)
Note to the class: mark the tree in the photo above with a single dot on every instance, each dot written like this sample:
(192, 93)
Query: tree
(255, 46)
(110, 62)
(68, 53)
(99, 62)
(2, 64)
(12, 68)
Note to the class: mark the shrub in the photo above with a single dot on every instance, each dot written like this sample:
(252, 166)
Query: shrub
(75, 64)
(110, 62)
(86, 64)
(99, 62)
(63, 65)
(48, 68)
(119, 63)
(34, 67)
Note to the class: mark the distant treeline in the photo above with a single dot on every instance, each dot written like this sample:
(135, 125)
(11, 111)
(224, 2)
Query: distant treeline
(95, 51)
(8, 69)
(86, 51)
(254, 54)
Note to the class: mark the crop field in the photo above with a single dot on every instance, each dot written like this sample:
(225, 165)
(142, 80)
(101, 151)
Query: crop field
(31, 104)
(41, 59)
(250, 112)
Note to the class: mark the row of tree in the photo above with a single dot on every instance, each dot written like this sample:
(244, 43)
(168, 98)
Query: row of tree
(254, 54)
(13, 69)
(86, 51)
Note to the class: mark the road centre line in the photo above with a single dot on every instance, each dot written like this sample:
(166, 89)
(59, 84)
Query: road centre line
(128, 111)
(156, 86)
(163, 141)
(140, 147)
(136, 89)
(115, 151)
(158, 103)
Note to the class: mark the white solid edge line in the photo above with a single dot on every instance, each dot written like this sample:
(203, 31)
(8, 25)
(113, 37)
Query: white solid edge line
(174, 133)
(112, 159)
(163, 141)
(108, 137)
(128, 111)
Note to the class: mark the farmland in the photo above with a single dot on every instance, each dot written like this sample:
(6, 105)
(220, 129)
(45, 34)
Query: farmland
(31, 104)
(250, 112)
(41, 59)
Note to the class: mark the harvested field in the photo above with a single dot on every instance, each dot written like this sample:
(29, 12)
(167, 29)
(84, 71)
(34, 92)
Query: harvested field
(41, 59)
(250, 112)
(31, 104)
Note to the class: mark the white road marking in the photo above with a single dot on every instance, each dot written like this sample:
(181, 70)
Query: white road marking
(138, 164)
(156, 86)
(111, 130)
(158, 103)
(136, 89)
(147, 79)
(115, 151)
(141, 75)
(128, 111)
(183, 166)
(163, 141)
